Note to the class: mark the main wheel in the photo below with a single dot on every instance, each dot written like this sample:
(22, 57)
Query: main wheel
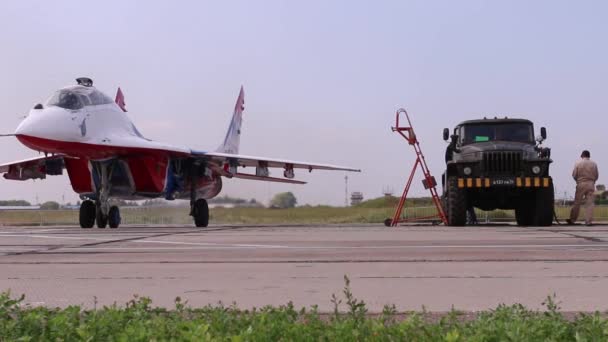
(114, 217)
(87, 214)
(545, 202)
(201, 213)
(102, 220)
(456, 203)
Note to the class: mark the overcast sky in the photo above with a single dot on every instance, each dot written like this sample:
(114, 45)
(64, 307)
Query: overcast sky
(322, 78)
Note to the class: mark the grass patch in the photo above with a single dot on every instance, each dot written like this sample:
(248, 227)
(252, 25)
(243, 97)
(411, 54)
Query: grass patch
(140, 321)
(373, 212)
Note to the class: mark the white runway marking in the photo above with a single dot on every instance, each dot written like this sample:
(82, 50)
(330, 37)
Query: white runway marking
(208, 244)
(194, 246)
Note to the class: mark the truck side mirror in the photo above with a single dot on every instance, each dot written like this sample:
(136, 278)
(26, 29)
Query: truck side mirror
(543, 133)
(446, 134)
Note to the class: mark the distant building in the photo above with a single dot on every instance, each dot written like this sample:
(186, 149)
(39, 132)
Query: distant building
(356, 198)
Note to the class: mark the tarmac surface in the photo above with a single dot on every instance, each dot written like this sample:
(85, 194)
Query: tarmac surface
(471, 268)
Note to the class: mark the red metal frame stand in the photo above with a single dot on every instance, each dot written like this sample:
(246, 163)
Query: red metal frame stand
(429, 181)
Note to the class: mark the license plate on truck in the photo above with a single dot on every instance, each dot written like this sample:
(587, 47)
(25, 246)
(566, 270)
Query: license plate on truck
(503, 182)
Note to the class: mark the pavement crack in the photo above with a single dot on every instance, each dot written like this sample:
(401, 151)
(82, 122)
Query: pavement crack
(570, 234)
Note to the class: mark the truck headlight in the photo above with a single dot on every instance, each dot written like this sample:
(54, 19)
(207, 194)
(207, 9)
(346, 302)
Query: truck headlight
(536, 169)
(467, 171)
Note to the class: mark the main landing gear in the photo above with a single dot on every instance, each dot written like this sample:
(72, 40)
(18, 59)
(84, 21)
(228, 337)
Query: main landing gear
(91, 212)
(199, 209)
(200, 213)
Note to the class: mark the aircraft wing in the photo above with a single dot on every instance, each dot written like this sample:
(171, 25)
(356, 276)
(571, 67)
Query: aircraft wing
(242, 160)
(33, 168)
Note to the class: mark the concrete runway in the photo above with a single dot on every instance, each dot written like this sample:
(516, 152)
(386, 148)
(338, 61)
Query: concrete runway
(470, 268)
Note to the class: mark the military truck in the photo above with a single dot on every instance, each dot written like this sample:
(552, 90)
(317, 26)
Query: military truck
(498, 164)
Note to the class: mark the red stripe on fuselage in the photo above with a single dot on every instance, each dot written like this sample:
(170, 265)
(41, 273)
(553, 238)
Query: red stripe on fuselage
(90, 151)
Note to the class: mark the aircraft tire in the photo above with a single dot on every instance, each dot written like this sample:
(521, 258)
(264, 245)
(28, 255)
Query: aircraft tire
(87, 214)
(114, 217)
(201, 213)
(102, 220)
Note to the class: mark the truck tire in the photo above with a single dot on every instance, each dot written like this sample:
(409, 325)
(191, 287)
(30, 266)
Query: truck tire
(456, 207)
(524, 214)
(545, 202)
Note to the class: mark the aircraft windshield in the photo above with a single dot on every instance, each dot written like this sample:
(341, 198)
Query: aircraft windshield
(517, 132)
(78, 97)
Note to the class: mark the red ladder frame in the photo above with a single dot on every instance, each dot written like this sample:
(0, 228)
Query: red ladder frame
(429, 181)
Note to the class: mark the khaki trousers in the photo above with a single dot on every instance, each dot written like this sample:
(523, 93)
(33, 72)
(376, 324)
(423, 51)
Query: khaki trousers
(584, 195)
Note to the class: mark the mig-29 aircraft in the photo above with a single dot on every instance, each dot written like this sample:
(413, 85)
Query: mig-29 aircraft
(85, 132)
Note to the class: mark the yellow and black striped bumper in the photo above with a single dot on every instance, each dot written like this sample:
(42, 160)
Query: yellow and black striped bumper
(518, 182)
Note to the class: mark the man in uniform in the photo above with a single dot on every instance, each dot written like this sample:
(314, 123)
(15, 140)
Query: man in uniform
(585, 174)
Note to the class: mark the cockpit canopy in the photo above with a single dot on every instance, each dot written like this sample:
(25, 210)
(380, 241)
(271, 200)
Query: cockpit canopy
(77, 97)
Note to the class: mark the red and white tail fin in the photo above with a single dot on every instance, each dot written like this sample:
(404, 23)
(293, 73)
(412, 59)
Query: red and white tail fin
(120, 100)
(233, 136)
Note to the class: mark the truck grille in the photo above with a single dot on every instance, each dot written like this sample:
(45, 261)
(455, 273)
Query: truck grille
(502, 162)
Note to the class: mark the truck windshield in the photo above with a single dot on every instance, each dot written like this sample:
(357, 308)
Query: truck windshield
(518, 132)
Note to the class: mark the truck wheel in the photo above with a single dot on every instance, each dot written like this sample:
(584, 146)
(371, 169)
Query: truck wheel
(456, 204)
(545, 202)
(524, 214)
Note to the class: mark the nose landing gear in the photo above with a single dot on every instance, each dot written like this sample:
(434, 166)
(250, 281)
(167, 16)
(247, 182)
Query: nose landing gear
(100, 211)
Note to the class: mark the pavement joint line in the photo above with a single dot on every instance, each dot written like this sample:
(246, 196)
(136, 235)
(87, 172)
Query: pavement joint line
(101, 241)
(303, 262)
(143, 239)
(218, 246)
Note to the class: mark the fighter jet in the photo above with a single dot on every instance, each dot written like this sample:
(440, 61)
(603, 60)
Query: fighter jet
(83, 131)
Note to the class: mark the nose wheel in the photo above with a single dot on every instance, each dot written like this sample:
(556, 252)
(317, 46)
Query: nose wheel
(91, 213)
(114, 217)
(100, 217)
(87, 214)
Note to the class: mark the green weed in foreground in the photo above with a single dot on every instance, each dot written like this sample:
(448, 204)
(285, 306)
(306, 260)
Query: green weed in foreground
(140, 321)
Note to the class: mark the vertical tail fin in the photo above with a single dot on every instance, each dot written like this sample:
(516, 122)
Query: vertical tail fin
(233, 136)
(120, 100)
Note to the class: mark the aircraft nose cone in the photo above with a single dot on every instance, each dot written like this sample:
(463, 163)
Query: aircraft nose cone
(24, 127)
(36, 123)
